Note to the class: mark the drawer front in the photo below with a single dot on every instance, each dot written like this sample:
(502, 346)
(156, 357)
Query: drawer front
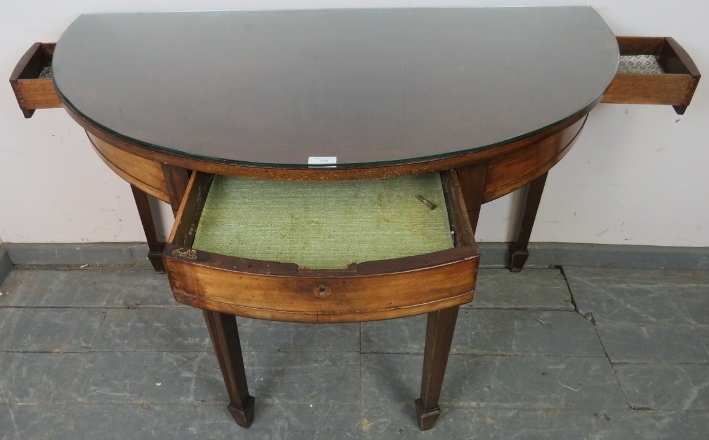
(144, 173)
(665, 74)
(512, 171)
(370, 290)
(35, 94)
(31, 80)
(320, 298)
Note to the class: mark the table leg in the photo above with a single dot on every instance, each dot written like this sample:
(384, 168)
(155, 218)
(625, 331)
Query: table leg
(472, 184)
(155, 246)
(439, 335)
(176, 180)
(531, 197)
(225, 339)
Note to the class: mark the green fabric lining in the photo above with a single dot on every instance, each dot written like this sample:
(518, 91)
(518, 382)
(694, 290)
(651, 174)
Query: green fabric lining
(324, 225)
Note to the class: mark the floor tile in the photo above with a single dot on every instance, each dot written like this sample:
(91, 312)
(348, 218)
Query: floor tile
(131, 363)
(260, 335)
(386, 422)
(29, 422)
(273, 378)
(275, 422)
(153, 329)
(665, 386)
(28, 287)
(641, 297)
(6, 360)
(526, 333)
(119, 422)
(207, 421)
(541, 289)
(640, 344)
(304, 377)
(652, 425)
(529, 382)
(86, 288)
(514, 332)
(48, 329)
(159, 377)
(140, 288)
(39, 377)
(403, 335)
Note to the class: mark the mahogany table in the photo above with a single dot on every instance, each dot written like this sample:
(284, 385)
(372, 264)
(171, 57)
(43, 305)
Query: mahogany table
(495, 96)
(499, 94)
(653, 70)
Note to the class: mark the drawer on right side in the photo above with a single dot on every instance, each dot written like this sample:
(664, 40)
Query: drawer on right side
(653, 70)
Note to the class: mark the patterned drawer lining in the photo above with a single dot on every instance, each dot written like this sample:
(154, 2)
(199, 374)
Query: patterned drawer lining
(639, 64)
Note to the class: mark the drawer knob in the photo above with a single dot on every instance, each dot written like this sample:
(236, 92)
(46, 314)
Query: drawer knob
(322, 291)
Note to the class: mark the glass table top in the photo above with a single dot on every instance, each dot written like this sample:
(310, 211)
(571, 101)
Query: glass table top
(363, 86)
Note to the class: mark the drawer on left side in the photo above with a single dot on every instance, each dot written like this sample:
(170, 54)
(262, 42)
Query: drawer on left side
(31, 80)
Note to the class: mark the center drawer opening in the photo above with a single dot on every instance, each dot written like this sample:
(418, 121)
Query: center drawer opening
(336, 251)
(324, 225)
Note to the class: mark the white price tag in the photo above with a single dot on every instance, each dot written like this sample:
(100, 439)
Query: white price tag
(318, 160)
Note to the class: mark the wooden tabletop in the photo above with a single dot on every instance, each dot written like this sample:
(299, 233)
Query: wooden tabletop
(364, 86)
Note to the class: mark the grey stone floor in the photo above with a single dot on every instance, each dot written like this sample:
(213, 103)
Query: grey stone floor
(582, 353)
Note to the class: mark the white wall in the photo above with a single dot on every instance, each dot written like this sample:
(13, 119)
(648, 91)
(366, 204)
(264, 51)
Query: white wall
(638, 175)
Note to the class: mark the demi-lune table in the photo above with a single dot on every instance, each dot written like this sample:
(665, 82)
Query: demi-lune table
(499, 94)
(493, 97)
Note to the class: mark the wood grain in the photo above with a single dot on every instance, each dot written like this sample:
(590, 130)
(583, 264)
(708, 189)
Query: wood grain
(283, 291)
(676, 86)
(440, 327)
(457, 210)
(642, 88)
(176, 180)
(472, 180)
(531, 197)
(143, 173)
(31, 91)
(341, 173)
(224, 334)
(147, 219)
(38, 93)
(351, 297)
(509, 172)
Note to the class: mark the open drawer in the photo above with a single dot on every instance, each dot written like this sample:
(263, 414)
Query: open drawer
(322, 251)
(32, 79)
(653, 70)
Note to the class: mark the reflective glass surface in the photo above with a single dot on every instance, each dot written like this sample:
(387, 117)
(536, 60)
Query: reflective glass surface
(364, 86)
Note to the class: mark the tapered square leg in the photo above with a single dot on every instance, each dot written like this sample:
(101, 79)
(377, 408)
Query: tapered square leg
(439, 336)
(155, 246)
(531, 198)
(225, 338)
(426, 418)
(243, 416)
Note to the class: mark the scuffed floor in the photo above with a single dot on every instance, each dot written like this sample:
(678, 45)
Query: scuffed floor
(583, 353)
